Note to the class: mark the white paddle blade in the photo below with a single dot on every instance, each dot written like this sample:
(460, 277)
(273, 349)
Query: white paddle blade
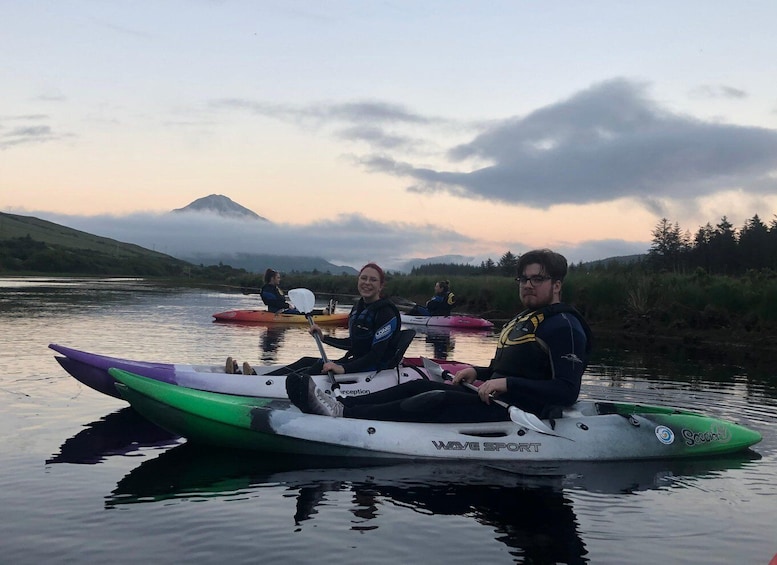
(530, 421)
(304, 300)
(433, 370)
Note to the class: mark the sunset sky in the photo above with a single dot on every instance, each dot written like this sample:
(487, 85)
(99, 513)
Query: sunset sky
(390, 130)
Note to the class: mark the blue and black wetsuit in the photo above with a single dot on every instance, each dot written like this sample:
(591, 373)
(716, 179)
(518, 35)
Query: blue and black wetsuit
(542, 353)
(441, 304)
(373, 335)
(372, 342)
(437, 305)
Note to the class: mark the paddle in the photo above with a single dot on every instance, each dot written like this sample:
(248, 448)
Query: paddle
(520, 417)
(304, 300)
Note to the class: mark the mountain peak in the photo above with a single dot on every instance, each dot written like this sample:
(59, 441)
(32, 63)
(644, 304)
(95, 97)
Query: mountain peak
(223, 206)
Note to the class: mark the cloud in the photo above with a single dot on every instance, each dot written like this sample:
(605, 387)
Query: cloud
(26, 135)
(717, 91)
(366, 113)
(347, 239)
(30, 131)
(344, 240)
(604, 143)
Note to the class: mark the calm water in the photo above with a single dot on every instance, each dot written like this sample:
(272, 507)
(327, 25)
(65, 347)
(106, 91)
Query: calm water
(86, 480)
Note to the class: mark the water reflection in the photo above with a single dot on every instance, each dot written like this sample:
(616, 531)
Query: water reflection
(529, 514)
(118, 433)
(271, 341)
(442, 342)
(670, 360)
(528, 507)
(443, 339)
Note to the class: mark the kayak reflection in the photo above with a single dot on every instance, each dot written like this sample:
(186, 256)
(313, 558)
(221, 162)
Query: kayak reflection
(271, 341)
(119, 433)
(442, 341)
(545, 528)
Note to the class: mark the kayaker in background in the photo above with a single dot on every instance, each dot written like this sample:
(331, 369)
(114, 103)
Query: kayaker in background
(440, 304)
(373, 332)
(538, 364)
(273, 296)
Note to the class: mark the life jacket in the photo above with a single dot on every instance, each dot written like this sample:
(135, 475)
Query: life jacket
(441, 304)
(520, 354)
(273, 298)
(363, 330)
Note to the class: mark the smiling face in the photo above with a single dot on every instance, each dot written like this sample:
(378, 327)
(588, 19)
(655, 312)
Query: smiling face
(537, 289)
(369, 285)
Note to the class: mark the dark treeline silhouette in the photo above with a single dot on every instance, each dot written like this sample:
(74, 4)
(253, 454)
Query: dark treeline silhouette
(719, 250)
(506, 266)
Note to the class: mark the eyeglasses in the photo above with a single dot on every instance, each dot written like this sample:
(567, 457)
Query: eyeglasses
(535, 280)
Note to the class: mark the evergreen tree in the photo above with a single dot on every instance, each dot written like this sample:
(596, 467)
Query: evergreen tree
(508, 264)
(668, 245)
(723, 248)
(753, 244)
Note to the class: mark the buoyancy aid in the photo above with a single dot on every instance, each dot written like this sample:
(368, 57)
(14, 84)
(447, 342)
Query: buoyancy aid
(366, 327)
(520, 353)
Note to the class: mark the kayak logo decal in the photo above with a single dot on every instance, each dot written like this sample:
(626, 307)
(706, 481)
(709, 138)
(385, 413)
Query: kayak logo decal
(527, 447)
(353, 391)
(664, 435)
(715, 433)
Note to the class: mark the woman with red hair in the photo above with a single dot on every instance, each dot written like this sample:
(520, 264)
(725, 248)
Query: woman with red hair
(373, 332)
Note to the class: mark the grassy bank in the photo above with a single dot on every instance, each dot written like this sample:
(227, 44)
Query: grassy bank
(692, 308)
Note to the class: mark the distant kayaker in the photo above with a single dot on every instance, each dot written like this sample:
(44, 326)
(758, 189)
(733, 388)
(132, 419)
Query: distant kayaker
(538, 364)
(373, 332)
(440, 304)
(273, 296)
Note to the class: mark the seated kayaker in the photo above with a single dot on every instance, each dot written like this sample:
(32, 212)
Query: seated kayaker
(273, 296)
(440, 304)
(538, 364)
(374, 324)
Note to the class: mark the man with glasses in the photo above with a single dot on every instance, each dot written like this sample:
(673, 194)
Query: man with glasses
(538, 364)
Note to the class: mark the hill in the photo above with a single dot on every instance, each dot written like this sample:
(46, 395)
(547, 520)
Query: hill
(252, 262)
(30, 244)
(221, 205)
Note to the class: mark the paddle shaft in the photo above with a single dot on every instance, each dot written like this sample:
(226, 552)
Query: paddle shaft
(304, 300)
(526, 419)
(335, 384)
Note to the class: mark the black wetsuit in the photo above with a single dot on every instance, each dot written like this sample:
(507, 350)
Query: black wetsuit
(273, 298)
(542, 353)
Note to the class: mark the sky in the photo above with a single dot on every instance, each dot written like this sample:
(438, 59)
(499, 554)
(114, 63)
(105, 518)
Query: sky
(392, 130)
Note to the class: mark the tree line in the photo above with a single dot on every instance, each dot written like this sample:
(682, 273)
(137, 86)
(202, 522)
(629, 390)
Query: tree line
(505, 266)
(718, 250)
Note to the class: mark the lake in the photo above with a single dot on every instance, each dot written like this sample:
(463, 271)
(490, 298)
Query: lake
(85, 479)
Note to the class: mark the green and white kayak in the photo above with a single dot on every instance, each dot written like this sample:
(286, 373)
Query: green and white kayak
(588, 431)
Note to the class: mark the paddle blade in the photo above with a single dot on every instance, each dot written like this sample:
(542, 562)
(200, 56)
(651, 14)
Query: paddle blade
(304, 300)
(434, 370)
(530, 421)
